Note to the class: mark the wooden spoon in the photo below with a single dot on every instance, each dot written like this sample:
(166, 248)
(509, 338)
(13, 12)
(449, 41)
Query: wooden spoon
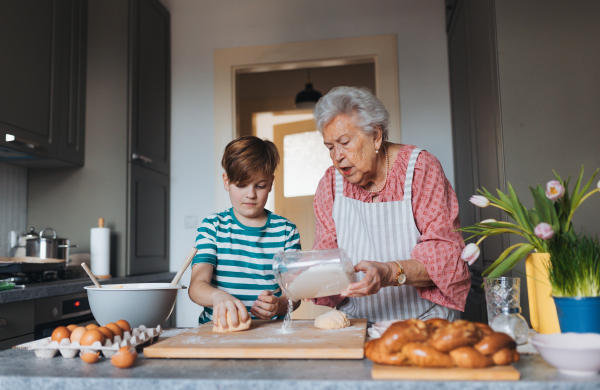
(91, 275)
(186, 263)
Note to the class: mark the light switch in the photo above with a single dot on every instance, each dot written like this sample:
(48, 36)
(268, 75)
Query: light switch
(191, 222)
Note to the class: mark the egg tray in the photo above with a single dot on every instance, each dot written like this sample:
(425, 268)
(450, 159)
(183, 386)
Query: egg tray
(45, 348)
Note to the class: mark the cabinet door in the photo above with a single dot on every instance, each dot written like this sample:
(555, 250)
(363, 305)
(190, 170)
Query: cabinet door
(151, 85)
(30, 82)
(42, 63)
(148, 221)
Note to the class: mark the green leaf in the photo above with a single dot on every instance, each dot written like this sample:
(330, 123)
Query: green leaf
(534, 217)
(500, 259)
(519, 211)
(511, 261)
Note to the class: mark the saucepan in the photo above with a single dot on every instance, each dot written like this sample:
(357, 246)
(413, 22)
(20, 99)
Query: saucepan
(47, 245)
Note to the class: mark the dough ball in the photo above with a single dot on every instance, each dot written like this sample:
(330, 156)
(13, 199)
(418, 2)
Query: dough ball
(334, 319)
(218, 328)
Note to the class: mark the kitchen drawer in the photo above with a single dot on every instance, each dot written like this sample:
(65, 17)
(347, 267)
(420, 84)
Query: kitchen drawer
(6, 344)
(16, 319)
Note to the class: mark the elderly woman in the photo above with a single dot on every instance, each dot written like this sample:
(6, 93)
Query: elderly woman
(391, 208)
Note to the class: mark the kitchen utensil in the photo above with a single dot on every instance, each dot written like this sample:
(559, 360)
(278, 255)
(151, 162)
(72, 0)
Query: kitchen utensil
(148, 304)
(47, 247)
(4, 285)
(184, 265)
(570, 353)
(91, 275)
(265, 340)
(23, 265)
(313, 274)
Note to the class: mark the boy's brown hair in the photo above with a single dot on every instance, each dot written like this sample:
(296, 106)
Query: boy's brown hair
(247, 157)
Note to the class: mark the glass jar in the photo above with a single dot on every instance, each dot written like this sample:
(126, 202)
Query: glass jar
(313, 274)
(511, 322)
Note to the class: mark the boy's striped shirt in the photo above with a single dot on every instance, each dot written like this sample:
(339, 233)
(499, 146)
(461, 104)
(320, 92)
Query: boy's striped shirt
(242, 255)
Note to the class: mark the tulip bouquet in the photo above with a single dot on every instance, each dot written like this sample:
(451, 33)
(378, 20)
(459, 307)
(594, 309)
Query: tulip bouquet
(551, 217)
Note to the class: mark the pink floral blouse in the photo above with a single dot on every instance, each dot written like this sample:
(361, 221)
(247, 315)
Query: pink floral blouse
(435, 208)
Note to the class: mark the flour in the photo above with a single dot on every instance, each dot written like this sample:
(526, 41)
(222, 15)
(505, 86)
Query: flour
(319, 281)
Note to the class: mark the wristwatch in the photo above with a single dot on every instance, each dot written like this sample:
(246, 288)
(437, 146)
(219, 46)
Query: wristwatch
(401, 278)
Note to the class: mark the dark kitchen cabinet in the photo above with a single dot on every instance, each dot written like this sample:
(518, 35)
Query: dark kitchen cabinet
(150, 85)
(148, 221)
(42, 83)
(127, 112)
(16, 323)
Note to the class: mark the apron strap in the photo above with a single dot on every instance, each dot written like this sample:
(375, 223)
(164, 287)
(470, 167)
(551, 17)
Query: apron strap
(339, 184)
(410, 170)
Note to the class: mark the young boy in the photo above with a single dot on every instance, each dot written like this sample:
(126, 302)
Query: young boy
(233, 269)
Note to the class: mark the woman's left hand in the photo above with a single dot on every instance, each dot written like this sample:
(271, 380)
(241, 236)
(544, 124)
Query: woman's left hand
(377, 275)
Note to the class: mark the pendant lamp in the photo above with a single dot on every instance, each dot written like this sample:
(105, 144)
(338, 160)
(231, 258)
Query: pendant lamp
(307, 98)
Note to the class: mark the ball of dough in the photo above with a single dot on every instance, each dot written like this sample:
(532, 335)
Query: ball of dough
(334, 319)
(218, 327)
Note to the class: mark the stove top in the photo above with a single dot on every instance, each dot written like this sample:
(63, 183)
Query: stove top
(45, 277)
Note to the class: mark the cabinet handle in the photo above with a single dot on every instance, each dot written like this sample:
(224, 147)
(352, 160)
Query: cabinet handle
(2, 322)
(29, 144)
(144, 159)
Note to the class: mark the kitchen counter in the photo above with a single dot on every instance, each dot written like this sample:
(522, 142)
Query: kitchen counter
(20, 369)
(73, 286)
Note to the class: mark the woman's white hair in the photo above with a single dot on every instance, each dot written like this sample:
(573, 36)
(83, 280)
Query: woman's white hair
(360, 104)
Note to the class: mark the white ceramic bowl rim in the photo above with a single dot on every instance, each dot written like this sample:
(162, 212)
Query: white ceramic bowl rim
(568, 341)
(135, 287)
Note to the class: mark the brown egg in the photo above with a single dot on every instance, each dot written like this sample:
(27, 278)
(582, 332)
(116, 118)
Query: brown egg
(72, 327)
(91, 326)
(77, 333)
(90, 357)
(60, 333)
(115, 329)
(108, 334)
(124, 325)
(91, 336)
(124, 358)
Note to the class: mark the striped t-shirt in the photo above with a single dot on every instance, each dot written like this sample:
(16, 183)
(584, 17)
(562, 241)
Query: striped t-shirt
(242, 255)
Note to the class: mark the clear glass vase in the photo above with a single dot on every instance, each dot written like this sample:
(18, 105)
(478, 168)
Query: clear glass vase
(501, 292)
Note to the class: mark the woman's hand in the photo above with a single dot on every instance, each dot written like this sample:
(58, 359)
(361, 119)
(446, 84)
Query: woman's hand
(224, 302)
(268, 305)
(377, 275)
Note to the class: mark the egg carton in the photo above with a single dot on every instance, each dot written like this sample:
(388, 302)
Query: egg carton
(45, 348)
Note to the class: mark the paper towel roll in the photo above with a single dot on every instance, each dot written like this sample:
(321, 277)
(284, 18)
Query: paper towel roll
(100, 252)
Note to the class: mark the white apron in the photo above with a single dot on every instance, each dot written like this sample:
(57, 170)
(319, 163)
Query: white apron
(383, 231)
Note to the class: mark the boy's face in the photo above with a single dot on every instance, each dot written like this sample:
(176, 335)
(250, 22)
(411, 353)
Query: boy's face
(249, 200)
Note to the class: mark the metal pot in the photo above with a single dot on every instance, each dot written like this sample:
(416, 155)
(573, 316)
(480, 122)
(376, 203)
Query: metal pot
(47, 247)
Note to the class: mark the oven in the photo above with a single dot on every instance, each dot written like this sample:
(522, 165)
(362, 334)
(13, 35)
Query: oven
(61, 310)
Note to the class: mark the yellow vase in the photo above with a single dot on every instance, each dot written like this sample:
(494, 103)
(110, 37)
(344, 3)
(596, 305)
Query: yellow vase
(542, 311)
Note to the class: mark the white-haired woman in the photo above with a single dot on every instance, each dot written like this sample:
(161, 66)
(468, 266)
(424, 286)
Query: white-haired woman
(391, 208)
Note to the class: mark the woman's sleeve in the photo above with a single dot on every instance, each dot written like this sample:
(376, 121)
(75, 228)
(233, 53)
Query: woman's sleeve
(325, 236)
(435, 208)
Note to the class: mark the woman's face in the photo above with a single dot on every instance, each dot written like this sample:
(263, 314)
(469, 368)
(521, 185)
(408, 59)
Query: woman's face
(351, 150)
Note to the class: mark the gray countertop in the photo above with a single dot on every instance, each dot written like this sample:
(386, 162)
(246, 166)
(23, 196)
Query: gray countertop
(72, 286)
(21, 369)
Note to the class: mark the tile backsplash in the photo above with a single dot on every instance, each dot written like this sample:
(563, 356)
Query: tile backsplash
(13, 204)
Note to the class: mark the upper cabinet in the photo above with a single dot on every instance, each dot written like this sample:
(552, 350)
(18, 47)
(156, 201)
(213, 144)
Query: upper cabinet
(150, 75)
(42, 82)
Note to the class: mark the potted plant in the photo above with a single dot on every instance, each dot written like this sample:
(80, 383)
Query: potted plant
(550, 218)
(574, 274)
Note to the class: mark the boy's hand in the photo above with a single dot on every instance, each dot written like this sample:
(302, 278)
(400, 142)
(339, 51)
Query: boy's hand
(267, 306)
(223, 303)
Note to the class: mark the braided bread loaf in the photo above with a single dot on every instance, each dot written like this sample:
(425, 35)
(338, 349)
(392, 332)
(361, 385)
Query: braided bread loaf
(440, 343)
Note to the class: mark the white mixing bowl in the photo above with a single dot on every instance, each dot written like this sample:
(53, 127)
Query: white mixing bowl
(570, 353)
(148, 304)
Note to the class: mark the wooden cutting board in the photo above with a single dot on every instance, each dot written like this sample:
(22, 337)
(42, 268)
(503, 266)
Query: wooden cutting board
(29, 260)
(266, 340)
(496, 373)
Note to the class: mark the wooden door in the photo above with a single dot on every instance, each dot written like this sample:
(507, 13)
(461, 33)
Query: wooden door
(298, 209)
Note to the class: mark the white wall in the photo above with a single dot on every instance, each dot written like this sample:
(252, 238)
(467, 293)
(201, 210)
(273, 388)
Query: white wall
(198, 27)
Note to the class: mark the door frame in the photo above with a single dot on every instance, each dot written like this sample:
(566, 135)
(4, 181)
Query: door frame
(382, 50)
